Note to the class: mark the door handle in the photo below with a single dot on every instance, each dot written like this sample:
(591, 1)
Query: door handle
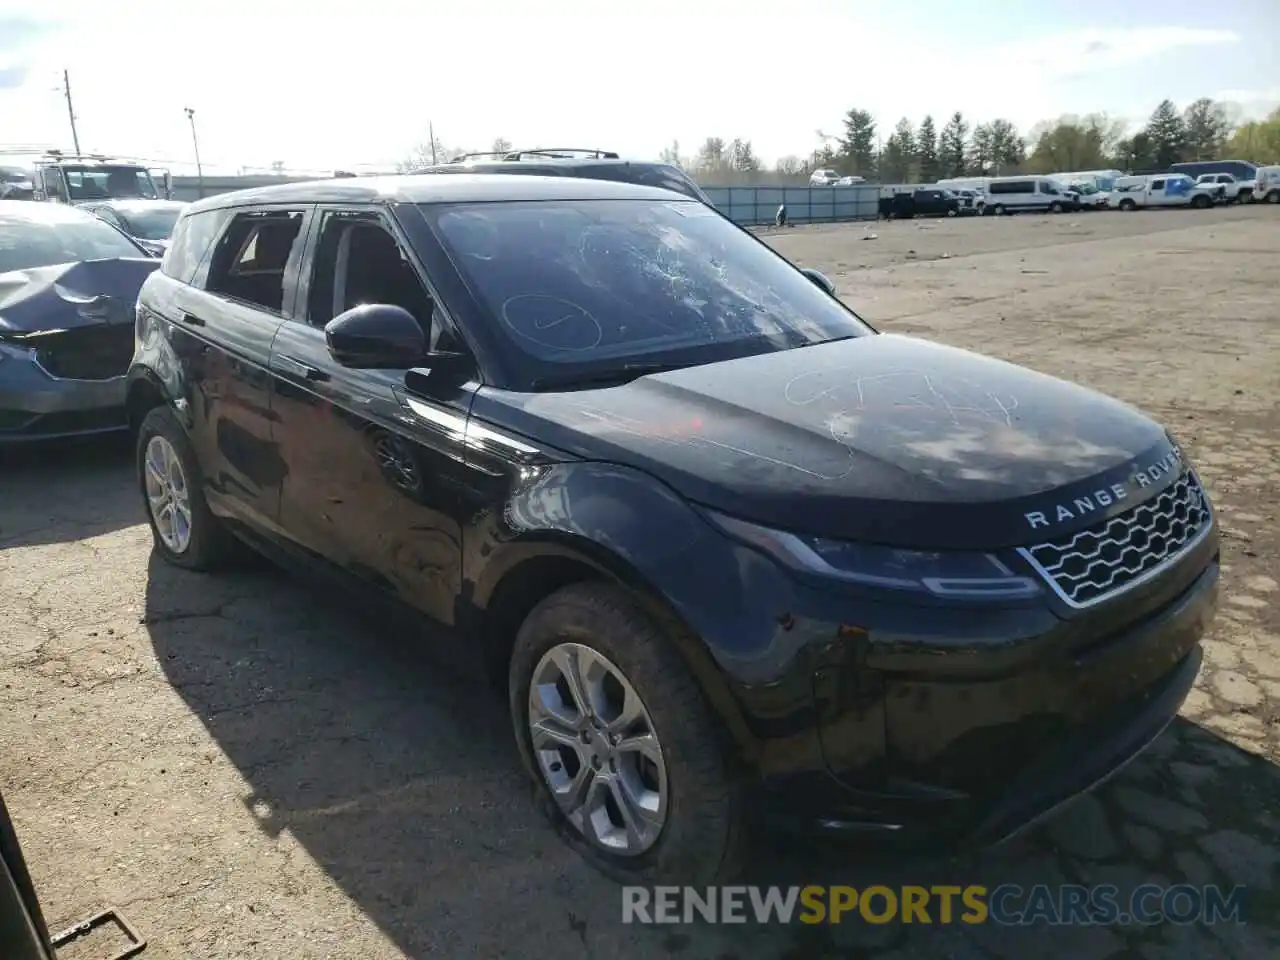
(191, 320)
(290, 365)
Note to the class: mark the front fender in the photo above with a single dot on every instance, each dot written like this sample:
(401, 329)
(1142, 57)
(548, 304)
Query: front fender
(730, 606)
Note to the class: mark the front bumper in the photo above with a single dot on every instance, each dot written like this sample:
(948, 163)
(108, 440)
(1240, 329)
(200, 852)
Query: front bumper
(952, 727)
(36, 406)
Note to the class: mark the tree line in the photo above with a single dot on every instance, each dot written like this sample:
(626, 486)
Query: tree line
(925, 152)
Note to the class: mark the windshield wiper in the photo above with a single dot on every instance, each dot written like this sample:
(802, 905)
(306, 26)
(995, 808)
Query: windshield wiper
(607, 378)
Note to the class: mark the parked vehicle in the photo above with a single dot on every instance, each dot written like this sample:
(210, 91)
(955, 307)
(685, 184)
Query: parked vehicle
(1233, 190)
(149, 222)
(823, 178)
(15, 184)
(81, 178)
(1267, 186)
(68, 284)
(23, 931)
(1174, 190)
(1088, 196)
(972, 202)
(923, 202)
(1026, 194)
(1103, 180)
(575, 162)
(687, 501)
(1240, 169)
(850, 181)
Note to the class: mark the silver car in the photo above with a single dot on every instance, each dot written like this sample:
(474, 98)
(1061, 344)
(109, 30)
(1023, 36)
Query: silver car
(68, 287)
(149, 222)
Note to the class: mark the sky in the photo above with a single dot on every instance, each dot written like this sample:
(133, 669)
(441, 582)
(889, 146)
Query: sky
(354, 86)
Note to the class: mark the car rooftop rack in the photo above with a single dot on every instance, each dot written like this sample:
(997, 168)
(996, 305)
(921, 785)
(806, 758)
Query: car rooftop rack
(549, 153)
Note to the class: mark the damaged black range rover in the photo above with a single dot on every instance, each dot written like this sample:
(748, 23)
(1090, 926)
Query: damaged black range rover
(733, 553)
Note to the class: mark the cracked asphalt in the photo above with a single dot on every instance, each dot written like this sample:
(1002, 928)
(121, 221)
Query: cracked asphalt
(248, 768)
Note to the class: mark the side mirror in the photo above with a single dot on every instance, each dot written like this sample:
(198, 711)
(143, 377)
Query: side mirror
(820, 279)
(376, 336)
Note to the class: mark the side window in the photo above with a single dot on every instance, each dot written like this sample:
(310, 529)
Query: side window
(1157, 184)
(358, 261)
(192, 236)
(249, 261)
(55, 188)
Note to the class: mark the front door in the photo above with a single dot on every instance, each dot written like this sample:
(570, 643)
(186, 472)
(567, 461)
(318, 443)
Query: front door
(371, 486)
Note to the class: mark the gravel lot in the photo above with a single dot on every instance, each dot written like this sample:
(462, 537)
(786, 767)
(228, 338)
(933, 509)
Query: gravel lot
(250, 770)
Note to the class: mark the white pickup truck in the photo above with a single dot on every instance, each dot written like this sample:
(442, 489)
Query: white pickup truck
(1165, 190)
(1233, 190)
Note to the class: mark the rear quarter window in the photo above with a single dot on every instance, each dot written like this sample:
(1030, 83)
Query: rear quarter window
(193, 235)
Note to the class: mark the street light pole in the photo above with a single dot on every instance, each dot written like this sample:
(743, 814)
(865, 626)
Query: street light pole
(195, 142)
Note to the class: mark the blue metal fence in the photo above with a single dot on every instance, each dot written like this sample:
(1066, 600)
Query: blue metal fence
(747, 205)
(755, 205)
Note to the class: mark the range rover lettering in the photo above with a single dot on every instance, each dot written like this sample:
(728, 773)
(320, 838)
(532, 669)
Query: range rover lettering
(733, 556)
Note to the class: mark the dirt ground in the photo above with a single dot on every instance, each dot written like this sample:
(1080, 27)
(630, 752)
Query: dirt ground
(247, 769)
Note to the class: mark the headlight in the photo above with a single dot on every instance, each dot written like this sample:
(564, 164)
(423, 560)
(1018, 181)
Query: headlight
(952, 575)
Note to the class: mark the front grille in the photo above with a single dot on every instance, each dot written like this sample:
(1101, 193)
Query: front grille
(87, 353)
(1121, 552)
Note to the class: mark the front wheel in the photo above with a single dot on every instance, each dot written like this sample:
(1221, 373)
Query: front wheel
(625, 755)
(1055, 207)
(1128, 206)
(1273, 196)
(184, 530)
(1200, 202)
(997, 210)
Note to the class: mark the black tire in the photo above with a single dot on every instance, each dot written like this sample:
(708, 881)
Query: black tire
(1273, 196)
(210, 546)
(1200, 202)
(702, 841)
(1055, 207)
(1128, 206)
(997, 210)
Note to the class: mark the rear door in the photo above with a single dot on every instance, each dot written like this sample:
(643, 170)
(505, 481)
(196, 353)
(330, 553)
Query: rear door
(223, 321)
(374, 477)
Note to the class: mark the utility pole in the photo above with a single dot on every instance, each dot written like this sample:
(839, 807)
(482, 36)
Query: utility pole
(195, 143)
(431, 135)
(71, 112)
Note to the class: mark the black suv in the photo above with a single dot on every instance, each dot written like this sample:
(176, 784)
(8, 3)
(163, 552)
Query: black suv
(575, 162)
(731, 551)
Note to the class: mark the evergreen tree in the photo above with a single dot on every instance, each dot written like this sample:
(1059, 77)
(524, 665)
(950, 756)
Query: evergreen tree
(927, 151)
(1168, 135)
(858, 145)
(951, 146)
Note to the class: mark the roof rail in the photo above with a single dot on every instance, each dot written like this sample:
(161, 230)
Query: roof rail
(549, 153)
(564, 153)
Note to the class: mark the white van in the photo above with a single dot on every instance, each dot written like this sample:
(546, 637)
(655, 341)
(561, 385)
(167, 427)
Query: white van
(1268, 186)
(1021, 194)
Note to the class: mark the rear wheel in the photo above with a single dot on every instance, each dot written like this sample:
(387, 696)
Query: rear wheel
(1273, 196)
(626, 758)
(184, 530)
(997, 210)
(1055, 207)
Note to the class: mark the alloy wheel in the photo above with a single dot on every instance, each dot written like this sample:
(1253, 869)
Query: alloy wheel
(168, 497)
(597, 749)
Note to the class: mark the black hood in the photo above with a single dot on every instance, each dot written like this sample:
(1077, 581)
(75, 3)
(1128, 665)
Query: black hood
(885, 439)
(71, 295)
